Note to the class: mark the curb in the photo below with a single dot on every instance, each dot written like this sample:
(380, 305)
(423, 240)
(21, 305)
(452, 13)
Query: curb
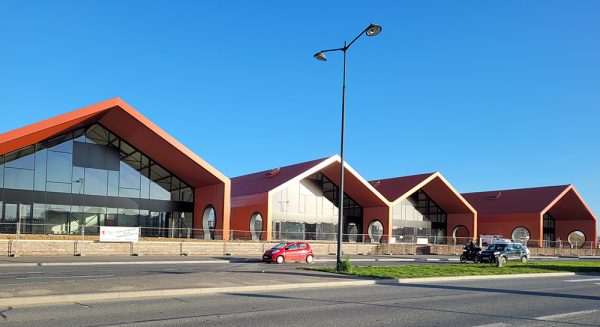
(235, 260)
(173, 262)
(48, 299)
(109, 263)
(479, 277)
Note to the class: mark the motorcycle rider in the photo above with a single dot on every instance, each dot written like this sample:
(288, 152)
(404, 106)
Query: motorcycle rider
(471, 248)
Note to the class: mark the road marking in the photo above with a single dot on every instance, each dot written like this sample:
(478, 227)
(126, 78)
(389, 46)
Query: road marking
(369, 260)
(582, 280)
(22, 273)
(66, 277)
(498, 324)
(568, 314)
(110, 263)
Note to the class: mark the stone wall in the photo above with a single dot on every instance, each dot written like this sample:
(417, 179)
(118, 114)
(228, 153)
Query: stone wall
(220, 248)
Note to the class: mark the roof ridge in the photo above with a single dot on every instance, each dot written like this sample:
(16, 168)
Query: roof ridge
(518, 189)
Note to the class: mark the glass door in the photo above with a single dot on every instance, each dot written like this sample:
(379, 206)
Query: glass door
(16, 216)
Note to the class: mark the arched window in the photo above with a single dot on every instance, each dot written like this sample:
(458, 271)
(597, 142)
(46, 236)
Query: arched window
(576, 238)
(521, 235)
(256, 225)
(375, 231)
(460, 234)
(209, 222)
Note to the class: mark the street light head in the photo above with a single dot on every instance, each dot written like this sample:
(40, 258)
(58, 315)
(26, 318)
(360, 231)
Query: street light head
(320, 56)
(373, 30)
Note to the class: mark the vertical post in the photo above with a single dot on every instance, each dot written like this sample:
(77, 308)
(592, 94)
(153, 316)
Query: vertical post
(81, 252)
(341, 190)
(17, 254)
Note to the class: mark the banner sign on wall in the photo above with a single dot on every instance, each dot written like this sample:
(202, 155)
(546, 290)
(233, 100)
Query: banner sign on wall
(422, 240)
(119, 234)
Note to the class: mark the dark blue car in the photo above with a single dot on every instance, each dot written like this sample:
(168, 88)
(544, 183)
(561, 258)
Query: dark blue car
(500, 253)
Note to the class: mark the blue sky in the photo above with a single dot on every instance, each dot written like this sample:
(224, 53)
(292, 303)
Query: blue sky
(494, 94)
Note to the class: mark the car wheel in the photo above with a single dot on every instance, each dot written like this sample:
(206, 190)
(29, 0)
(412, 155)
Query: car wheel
(501, 261)
(524, 259)
(279, 259)
(463, 258)
(310, 259)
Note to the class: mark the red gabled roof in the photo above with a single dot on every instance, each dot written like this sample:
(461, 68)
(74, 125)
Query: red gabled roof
(525, 200)
(128, 124)
(265, 181)
(394, 188)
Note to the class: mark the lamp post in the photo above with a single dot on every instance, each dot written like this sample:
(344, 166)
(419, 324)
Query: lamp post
(371, 30)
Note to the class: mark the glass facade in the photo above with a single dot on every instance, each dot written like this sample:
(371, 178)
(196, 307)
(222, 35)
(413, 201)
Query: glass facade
(418, 215)
(308, 210)
(89, 178)
(549, 228)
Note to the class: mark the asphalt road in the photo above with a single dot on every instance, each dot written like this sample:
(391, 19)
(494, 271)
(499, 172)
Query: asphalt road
(566, 301)
(13, 277)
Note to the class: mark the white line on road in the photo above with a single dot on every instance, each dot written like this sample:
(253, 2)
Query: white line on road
(369, 260)
(22, 273)
(66, 277)
(111, 263)
(499, 324)
(567, 314)
(582, 280)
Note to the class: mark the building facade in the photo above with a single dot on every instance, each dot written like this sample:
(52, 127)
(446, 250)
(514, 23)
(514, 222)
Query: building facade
(301, 202)
(107, 165)
(427, 206)
(549, 216)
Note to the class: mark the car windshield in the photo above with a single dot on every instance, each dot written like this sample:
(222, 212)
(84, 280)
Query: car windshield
(280, 246)
(497, 247)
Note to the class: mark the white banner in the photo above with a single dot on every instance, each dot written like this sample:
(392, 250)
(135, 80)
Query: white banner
(422, 240)
(119, 234)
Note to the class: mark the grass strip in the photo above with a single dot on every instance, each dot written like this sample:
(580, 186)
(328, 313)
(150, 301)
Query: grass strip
(446, 270)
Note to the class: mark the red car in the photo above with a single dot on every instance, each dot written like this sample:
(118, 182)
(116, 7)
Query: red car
(289, 251)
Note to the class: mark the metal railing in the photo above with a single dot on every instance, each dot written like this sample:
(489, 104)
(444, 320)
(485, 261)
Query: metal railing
(91, 232)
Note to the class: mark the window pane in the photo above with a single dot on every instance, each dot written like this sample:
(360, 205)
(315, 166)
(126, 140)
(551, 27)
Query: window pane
(97, 134)
(57, 216)
(78, 180)
(157, 192)
(63, 143)
(21, 179)
(59, 167)
(129, 193)
(21, 158)
(129, 177)
(128, 217)
(58, 187)
(145, 184)
(96, 181)
(40, 170)
(111, 217)
(113, 183)
(1, 172)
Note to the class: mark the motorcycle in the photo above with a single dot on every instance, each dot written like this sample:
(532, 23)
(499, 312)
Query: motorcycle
(470, 255)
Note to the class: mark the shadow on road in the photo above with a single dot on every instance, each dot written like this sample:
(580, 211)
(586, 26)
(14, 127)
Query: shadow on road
(502, 291)
(378, 303)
